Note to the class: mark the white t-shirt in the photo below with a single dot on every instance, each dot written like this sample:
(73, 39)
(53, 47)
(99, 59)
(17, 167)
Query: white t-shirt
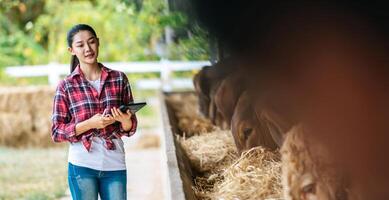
(99, 157)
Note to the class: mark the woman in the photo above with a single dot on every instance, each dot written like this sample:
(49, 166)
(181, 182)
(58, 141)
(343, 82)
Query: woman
(86, 114)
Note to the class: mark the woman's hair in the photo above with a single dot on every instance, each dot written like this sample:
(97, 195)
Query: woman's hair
(73, 31)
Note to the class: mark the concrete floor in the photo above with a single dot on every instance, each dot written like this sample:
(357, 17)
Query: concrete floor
(144, 175)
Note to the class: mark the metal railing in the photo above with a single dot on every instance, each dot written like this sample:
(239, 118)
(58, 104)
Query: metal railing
(165, 68)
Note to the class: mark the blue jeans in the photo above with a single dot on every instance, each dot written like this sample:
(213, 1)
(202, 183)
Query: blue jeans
(86, 183)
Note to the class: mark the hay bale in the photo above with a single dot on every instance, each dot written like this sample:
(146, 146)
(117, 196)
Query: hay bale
(209, 151)
(15, 128)
(148, 141)
(42, 130)
(255, 175)
(185, 108)
(26, 99)
(308, 170)
(15, 99)
(34, 101)
(42, 106)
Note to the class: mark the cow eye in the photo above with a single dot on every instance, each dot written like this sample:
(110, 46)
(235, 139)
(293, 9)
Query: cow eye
(247, 132)
(309, 189)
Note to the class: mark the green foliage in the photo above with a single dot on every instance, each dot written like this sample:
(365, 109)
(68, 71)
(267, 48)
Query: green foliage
(125, 35)
(195, 47)
(175, 20)
(18, 47)
(34, 32)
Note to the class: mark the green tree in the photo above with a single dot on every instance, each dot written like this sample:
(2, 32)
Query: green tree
(18, 47)
(125, 34)
(34, 32)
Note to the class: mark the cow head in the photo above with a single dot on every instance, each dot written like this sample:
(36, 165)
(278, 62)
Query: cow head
(201, 84)
(247, 131)
(307, 170)
(227, 96)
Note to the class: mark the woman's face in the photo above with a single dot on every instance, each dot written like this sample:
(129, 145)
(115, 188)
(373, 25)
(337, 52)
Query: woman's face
(85, 46)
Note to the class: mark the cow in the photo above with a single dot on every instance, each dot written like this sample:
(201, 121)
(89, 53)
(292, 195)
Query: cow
(326, 66)
(227, 95)
(202, 89)
(247, 130)
(206, 83)
(273, 120)
(308, 170)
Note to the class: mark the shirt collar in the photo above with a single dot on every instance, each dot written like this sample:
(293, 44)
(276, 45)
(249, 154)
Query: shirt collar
(77, 71)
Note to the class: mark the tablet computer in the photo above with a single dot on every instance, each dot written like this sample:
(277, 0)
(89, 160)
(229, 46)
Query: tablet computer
(133, 107)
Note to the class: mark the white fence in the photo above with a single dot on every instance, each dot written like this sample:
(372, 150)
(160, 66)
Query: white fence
(54, 71)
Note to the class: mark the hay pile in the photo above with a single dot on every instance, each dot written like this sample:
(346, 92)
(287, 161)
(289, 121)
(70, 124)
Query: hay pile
(209, 151)
(186, 110)
(220, 173)
(25, 116)
(255, 175)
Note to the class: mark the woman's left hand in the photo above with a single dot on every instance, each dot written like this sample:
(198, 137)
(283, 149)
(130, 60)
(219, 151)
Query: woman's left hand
(120, 116)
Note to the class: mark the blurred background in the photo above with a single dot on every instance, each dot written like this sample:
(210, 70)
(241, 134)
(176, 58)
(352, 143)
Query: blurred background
(319, 63)
(151, 40)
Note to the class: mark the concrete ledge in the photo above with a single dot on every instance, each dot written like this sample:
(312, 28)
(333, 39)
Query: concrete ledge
(179, 175)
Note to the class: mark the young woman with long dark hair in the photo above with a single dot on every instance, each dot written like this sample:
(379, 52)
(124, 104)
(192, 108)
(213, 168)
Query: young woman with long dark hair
(86, 114)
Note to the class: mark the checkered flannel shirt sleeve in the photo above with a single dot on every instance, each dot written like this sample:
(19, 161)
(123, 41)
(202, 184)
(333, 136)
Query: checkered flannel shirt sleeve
(63, 127)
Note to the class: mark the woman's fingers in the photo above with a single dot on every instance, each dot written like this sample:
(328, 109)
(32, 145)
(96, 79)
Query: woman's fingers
(107, 120)
(114, 113)
(119, 112)
(110, 119)
(108, 116)
(119, 115)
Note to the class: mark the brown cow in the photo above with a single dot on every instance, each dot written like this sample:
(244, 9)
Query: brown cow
(276, 123)
(329, 63)
(246, 129)
(206, 83)
(228, 94)
(308, 170)
(202, 88)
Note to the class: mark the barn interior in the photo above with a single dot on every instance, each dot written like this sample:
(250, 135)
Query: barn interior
(314, 74)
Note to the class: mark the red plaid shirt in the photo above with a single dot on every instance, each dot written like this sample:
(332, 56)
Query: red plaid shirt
(76, 100)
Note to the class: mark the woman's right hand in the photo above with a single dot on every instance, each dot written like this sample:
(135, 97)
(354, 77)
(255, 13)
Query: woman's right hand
(99, 121)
